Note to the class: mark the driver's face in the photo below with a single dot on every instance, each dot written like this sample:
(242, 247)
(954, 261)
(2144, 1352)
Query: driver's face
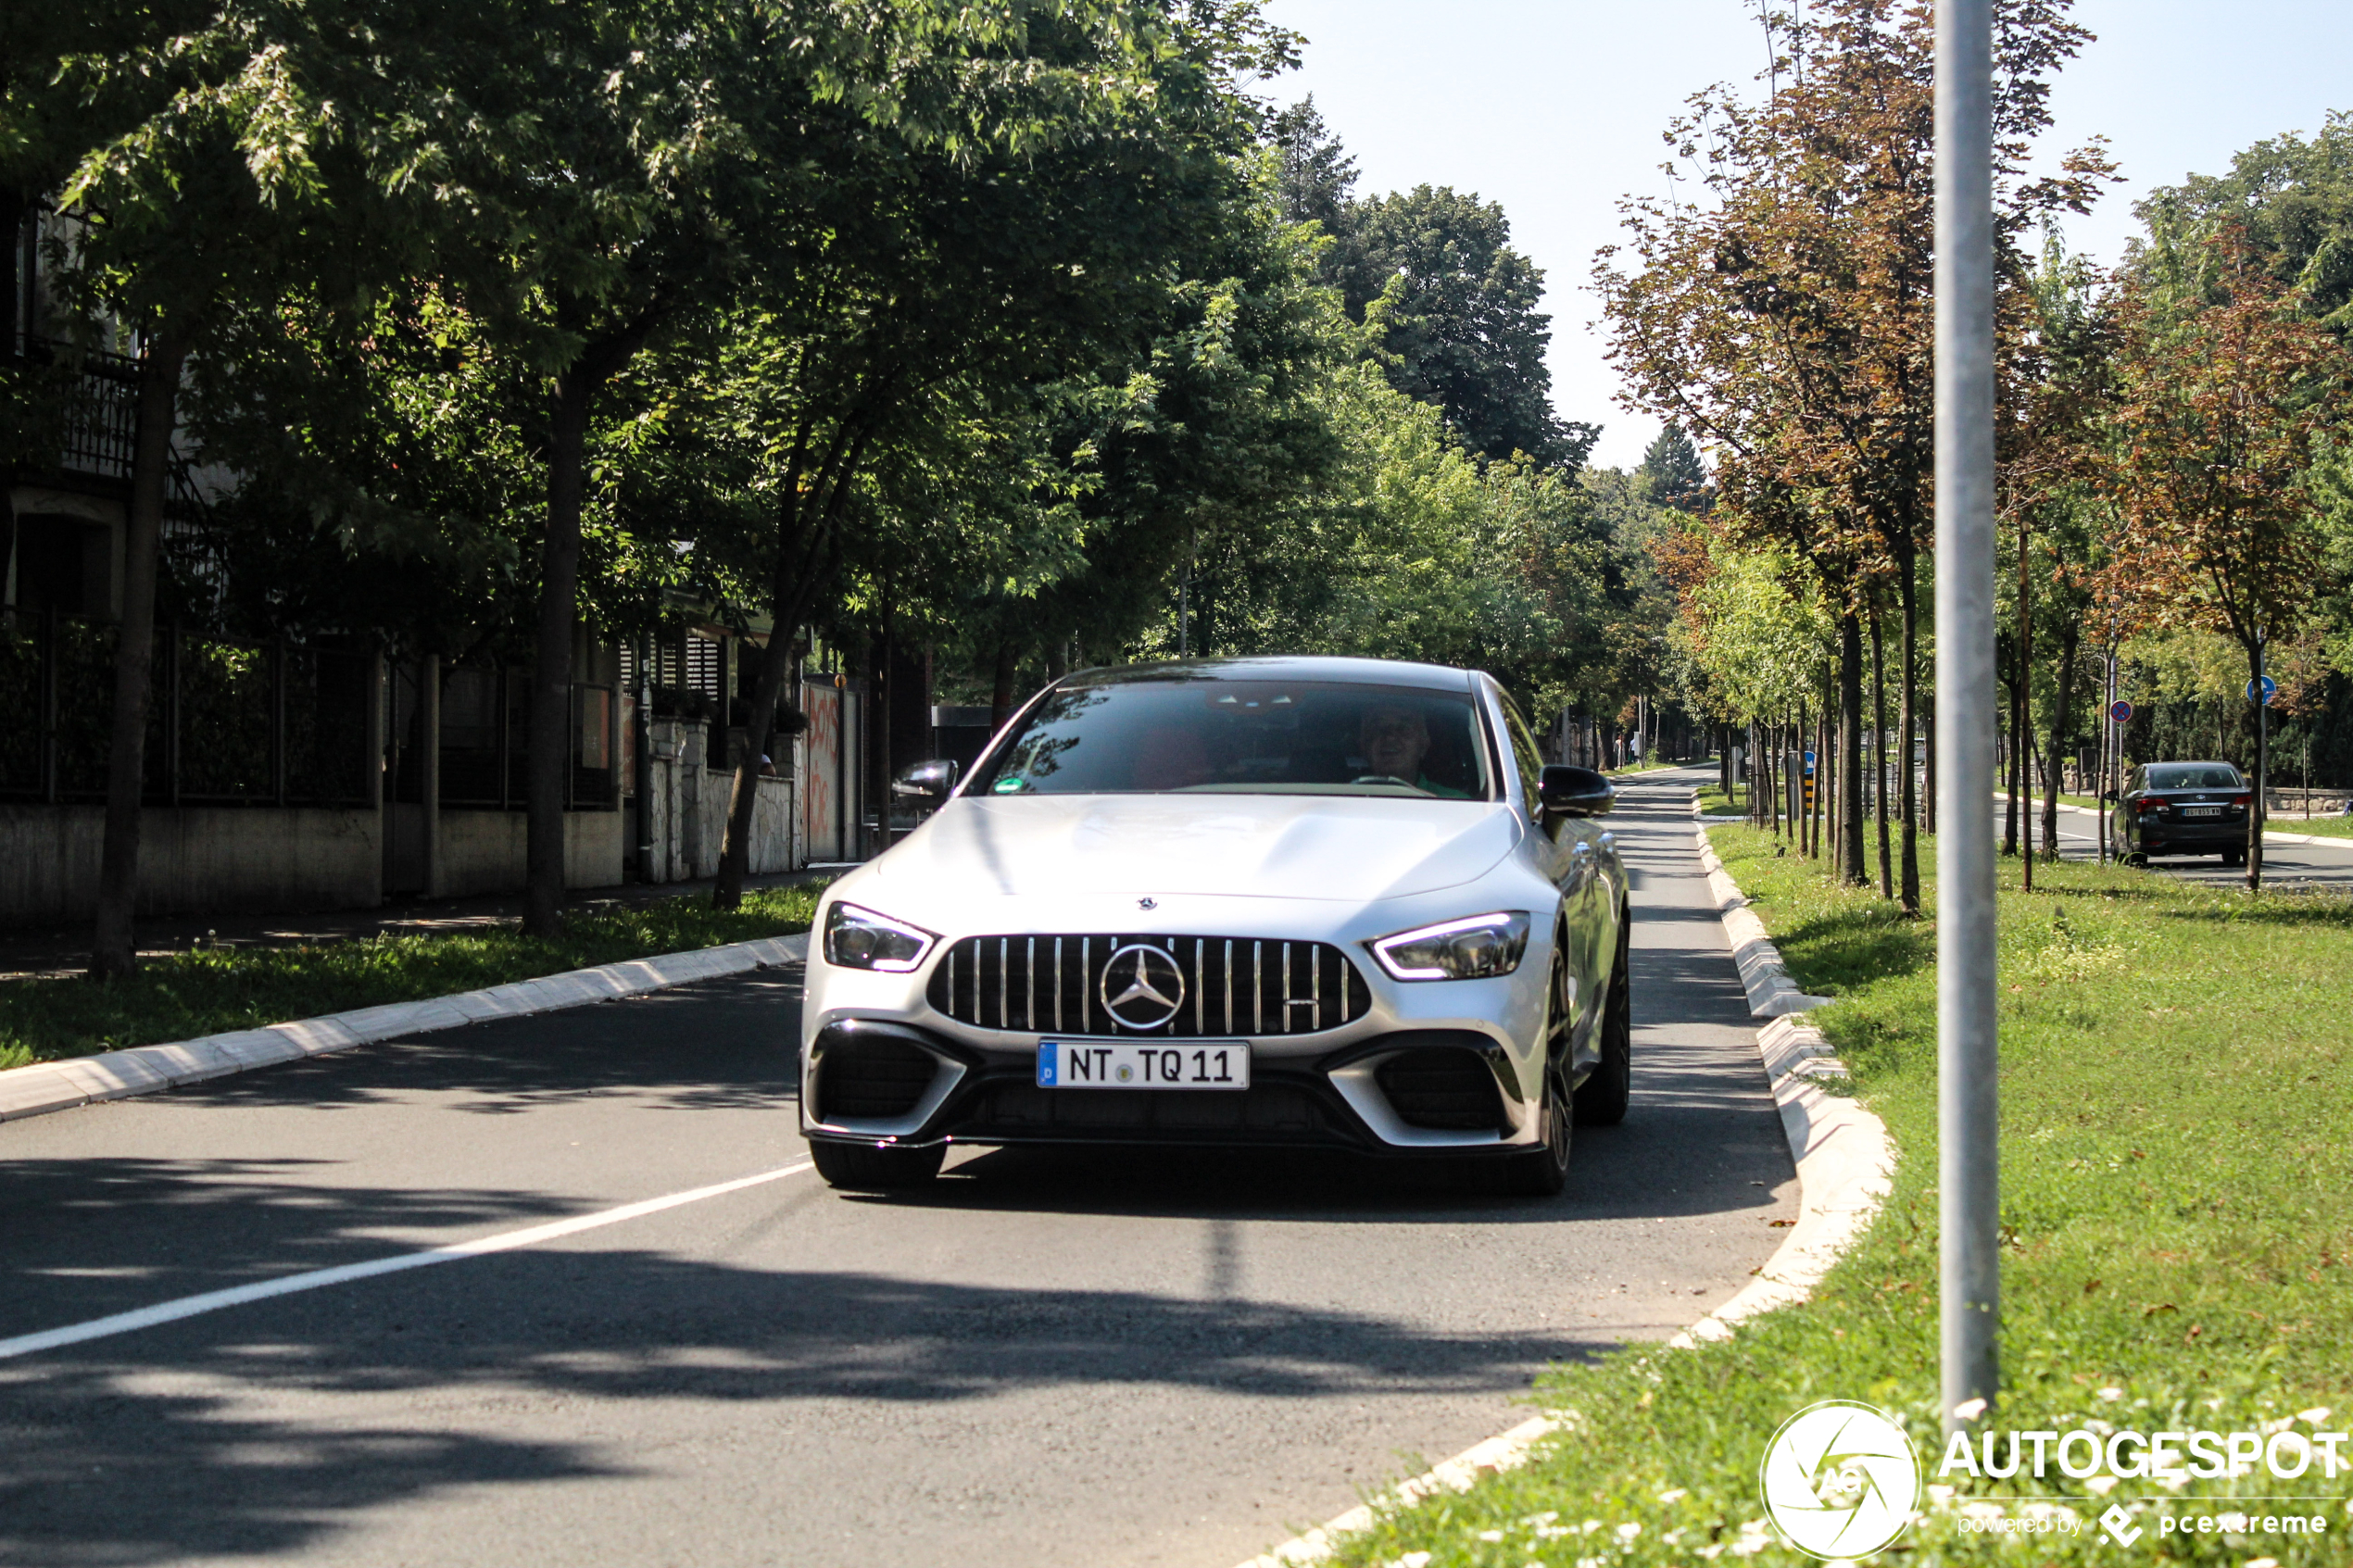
(1394, 740)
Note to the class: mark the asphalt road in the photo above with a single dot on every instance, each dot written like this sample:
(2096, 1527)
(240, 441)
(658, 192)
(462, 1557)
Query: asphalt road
(1053, 1357)
(2286, 866)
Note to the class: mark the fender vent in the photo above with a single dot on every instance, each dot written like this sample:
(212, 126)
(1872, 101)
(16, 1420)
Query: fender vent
(1442, 1090)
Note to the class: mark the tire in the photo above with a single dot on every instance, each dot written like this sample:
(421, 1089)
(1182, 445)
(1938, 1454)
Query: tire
(1601, 1098)
(856, 1167)
(1542, 1171)
(2234, 857)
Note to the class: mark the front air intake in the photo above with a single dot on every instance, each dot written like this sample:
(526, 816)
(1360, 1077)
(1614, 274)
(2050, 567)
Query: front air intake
(1442, 1089)
(873, 1080)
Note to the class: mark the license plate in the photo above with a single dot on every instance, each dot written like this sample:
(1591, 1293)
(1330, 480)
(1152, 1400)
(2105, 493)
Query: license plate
(1082, 1064)
(2201, 810)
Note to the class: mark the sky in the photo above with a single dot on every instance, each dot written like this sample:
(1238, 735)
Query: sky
(1554, 108)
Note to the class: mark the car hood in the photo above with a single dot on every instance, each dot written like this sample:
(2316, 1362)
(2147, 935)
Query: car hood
(1351, 848)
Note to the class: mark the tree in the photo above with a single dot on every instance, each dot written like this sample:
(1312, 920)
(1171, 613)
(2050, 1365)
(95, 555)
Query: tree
(1459, 309)
(1787, 321)
(1672, 470)
(202, 161)
(1316, 178)
(2225, 387)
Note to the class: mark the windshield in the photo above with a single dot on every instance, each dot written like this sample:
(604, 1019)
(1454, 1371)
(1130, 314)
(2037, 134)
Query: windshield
(2205, 775)
(1245, 737)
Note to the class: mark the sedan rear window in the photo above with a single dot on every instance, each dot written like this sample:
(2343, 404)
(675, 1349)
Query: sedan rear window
(1245, 737)
(2203, 775)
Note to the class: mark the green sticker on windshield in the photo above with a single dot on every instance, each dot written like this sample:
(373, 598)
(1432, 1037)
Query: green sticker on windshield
(1009, 786)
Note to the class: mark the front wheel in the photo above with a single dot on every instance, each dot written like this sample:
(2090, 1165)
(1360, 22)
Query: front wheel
(859, 1167)
(1601, 1098)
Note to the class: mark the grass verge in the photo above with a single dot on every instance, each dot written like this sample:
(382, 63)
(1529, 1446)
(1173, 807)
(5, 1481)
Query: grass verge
(2320, 827)
(2177, 1239)
(187, 995)
(1715, 802)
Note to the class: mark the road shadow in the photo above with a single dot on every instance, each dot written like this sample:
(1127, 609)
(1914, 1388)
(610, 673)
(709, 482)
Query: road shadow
(153, 1447)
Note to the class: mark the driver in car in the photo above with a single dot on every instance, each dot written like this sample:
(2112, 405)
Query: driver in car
(1394, 738)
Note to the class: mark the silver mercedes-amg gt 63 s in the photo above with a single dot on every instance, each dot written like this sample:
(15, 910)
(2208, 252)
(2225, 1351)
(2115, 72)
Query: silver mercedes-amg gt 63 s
(1333, 902)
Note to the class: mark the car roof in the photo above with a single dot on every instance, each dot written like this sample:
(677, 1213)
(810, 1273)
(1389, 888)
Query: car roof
(1359, 672)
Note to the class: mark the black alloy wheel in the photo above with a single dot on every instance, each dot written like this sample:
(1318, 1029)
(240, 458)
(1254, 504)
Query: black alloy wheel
(858, 1167)
(1542, 1171)
(1601, 1098)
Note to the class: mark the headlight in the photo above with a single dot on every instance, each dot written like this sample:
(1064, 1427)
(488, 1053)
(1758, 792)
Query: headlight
(857, 938)
(1476, 949)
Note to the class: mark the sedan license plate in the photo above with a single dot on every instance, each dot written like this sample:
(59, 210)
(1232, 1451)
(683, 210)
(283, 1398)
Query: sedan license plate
(1082, 1064)
(2201, 810)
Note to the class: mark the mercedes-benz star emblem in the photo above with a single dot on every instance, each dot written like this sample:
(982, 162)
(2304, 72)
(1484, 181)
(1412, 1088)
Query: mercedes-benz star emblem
(1142, 987)
(1148, 903)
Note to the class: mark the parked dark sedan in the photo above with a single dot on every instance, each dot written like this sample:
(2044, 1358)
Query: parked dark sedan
(2185, 808)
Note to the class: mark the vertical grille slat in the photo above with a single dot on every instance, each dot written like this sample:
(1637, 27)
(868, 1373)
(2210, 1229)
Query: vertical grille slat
(1301, 987)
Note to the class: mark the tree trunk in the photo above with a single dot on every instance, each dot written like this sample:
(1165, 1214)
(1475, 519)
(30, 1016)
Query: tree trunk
(804, 529)
(548, 724)
(2262, 775)
(2025, 726)
(112, 951)
(2062, 716)
(1852, 868)
(1000, 694)
(1878, 755)
(547, 750)
(1909, 813)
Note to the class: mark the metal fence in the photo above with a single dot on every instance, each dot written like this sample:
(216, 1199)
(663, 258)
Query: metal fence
(275, 724)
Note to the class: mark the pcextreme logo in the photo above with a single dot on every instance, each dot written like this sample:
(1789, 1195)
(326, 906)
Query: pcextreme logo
(1839, 1479)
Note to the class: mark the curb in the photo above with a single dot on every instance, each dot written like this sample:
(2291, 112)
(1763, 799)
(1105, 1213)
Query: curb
(60, 1085)
(1843, 1164)
(1771, 993)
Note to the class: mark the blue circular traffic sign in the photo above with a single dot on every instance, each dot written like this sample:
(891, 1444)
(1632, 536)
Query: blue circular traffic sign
(2270, 690)
(2121, 711)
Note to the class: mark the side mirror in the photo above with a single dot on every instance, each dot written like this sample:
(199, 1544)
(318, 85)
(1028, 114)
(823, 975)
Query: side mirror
(927, 780)
(1576, 792)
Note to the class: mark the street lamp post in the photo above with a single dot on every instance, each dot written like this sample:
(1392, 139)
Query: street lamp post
(1967, 1177)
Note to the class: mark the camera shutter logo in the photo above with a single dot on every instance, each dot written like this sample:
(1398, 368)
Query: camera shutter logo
(1839, 1479)
(1142, 987)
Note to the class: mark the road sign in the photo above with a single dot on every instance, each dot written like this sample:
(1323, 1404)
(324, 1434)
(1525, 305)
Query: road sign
(2121, 711)
(2270, 690)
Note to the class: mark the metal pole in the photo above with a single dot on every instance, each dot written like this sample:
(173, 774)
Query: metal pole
(1967, 1176)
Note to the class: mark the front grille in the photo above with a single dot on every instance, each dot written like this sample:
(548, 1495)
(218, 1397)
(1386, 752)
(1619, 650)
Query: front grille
(873, 1081)
(1233, 985)
(1442, 1089)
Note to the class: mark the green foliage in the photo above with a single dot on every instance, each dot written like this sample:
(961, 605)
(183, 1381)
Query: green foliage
(211, 990)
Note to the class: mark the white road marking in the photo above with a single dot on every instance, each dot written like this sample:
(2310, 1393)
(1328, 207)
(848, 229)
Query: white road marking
(314, 1279)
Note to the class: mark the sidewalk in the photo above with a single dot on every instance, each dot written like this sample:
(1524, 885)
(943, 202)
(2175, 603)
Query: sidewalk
(39, 952)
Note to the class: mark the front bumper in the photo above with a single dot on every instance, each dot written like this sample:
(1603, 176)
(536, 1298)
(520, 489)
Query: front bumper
(1414, 1092)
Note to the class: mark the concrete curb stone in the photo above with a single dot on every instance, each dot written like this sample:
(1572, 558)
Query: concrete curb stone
(59, 1085)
